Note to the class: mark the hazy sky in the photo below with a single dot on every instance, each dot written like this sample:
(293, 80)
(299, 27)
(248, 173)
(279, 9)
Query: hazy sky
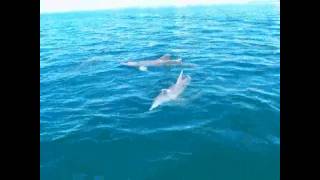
(76, 5)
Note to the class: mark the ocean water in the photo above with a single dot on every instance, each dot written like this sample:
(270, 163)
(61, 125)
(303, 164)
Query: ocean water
(94, 118)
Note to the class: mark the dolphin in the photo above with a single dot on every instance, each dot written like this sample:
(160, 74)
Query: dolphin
(164, 60)
(172, 92)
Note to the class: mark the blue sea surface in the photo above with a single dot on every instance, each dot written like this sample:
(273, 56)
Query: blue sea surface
(95, 122)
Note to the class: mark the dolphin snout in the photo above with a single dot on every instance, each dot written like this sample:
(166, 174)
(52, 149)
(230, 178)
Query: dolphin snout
(153, 106)
(128, 63)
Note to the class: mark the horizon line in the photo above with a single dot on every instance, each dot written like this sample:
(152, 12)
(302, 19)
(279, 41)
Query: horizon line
(248, 2)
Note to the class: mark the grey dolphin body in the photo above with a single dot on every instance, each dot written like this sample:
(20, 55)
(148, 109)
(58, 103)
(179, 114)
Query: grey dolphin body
(164, 60)
(172, 92)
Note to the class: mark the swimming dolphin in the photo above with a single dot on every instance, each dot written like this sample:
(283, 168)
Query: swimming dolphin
(172, 92)
(164, 60)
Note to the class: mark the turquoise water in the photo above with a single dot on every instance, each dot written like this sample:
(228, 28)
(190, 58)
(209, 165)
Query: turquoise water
(94, 118)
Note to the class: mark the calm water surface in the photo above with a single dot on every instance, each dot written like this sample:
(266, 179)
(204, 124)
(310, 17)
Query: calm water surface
(94, 118)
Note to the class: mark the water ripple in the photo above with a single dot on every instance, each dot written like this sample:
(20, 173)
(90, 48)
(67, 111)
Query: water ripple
(84, 90)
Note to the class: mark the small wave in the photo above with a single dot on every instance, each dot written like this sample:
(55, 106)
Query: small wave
(165, 129)
(171, 156)
(273, 139)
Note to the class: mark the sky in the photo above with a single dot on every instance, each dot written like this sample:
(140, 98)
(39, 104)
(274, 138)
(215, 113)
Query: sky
(47, 6)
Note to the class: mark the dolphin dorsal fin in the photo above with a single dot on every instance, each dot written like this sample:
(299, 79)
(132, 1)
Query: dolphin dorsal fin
(180, 76)
(165, 57)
